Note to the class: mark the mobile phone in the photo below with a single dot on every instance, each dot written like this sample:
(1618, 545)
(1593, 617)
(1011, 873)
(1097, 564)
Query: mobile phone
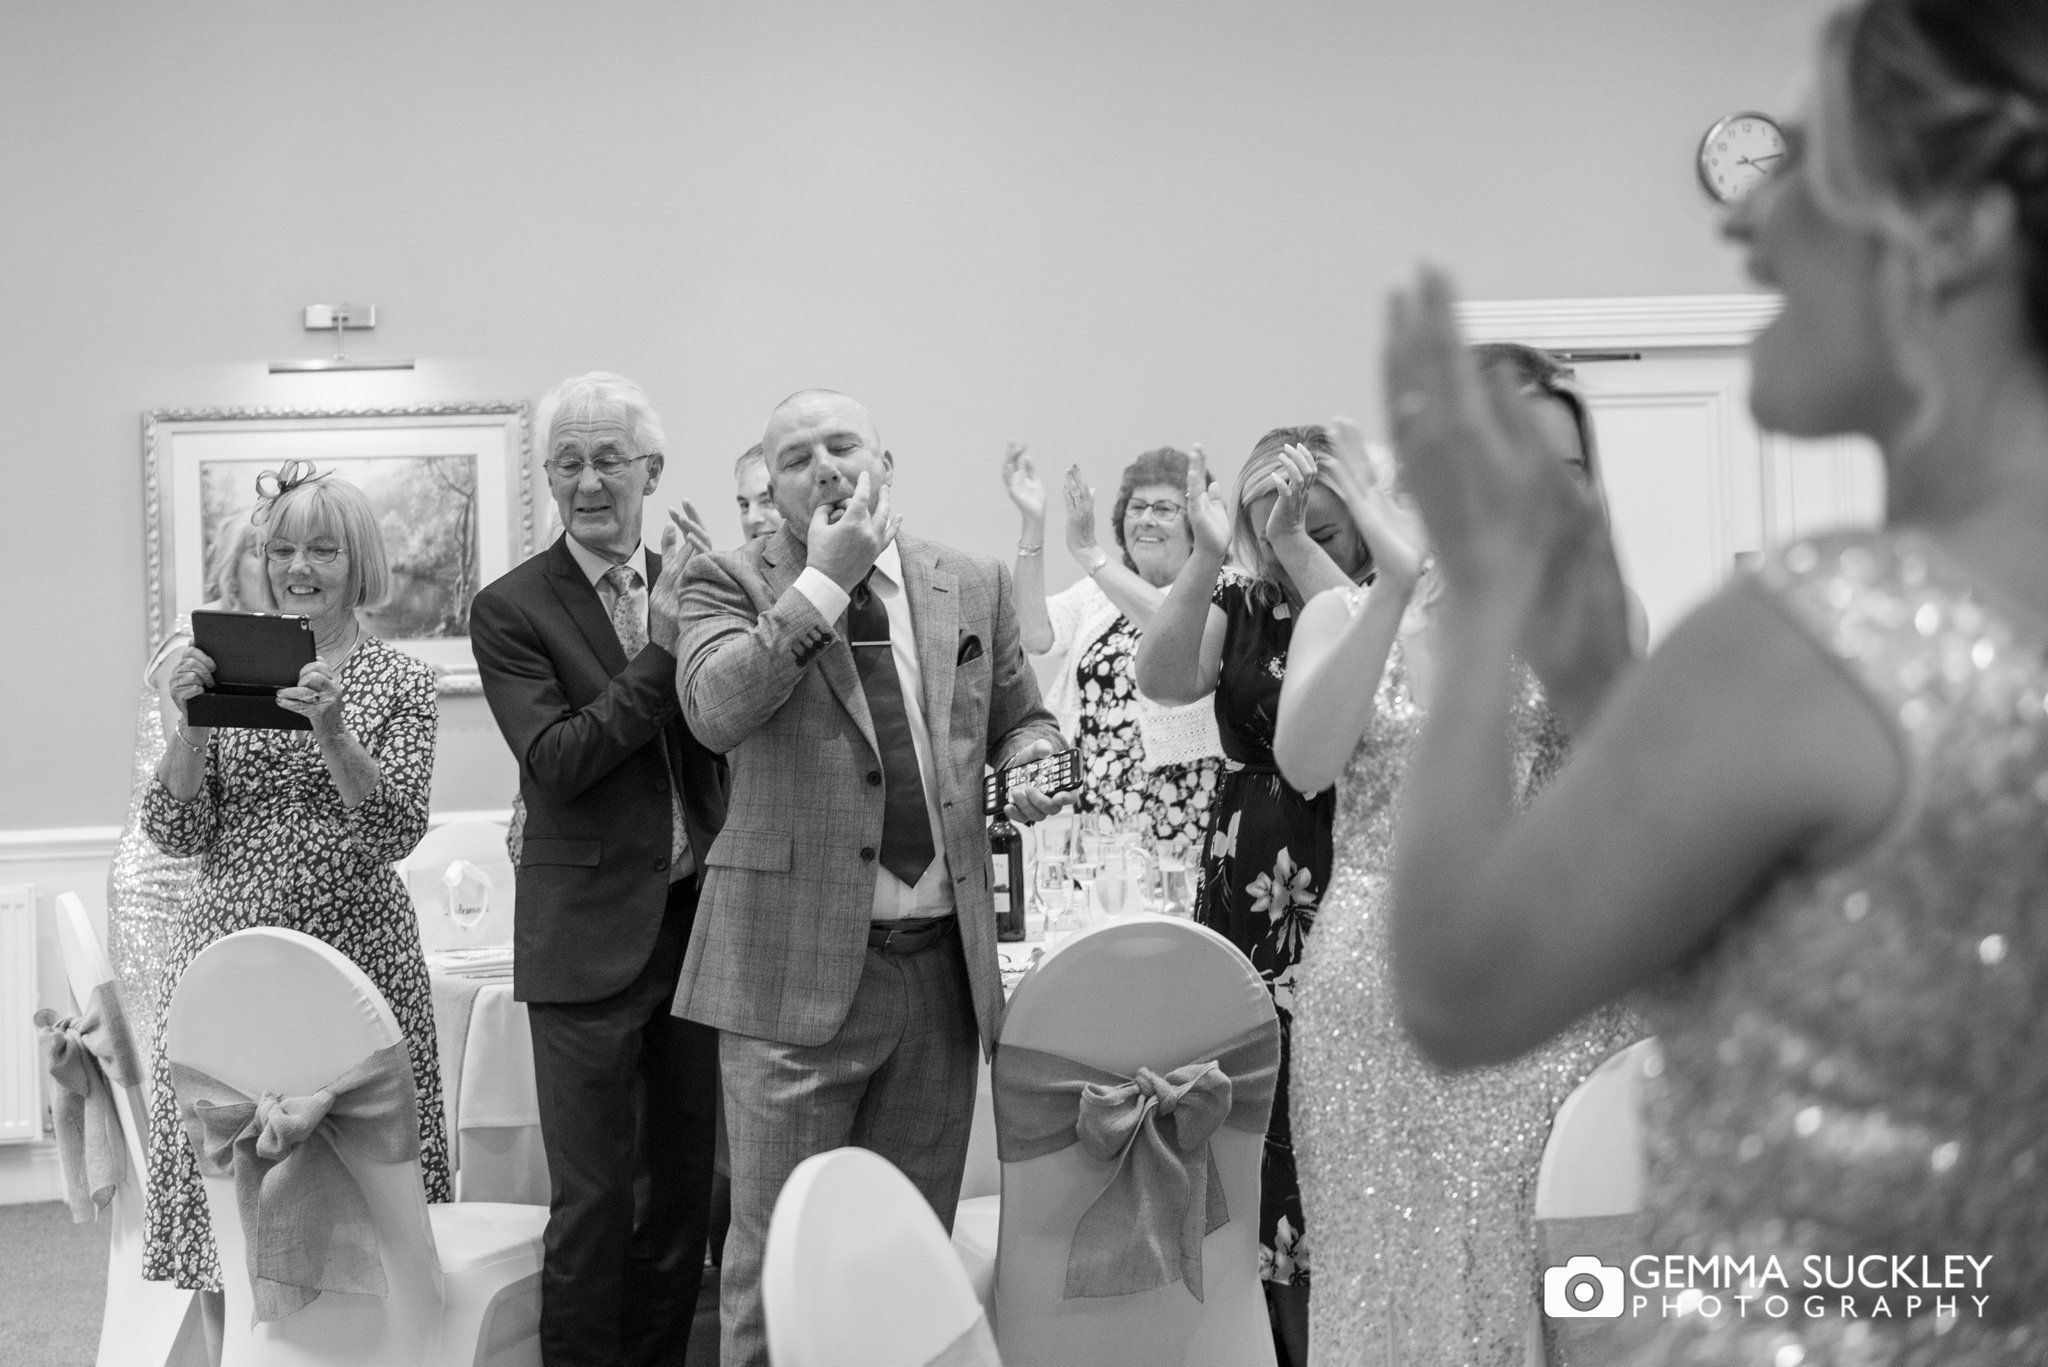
(1059, 772)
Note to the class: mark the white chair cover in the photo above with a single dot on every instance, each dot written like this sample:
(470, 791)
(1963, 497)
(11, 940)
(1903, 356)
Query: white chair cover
(482, 843)
(1140, 991)
(1593, 1163)
(858, 1273)
(271, 1010)
(145, 1323)
(1589, 1198)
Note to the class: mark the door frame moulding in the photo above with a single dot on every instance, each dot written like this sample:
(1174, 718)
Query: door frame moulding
(1622, 322)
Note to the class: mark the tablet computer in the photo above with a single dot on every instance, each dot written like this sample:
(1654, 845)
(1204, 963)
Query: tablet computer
(254, 654)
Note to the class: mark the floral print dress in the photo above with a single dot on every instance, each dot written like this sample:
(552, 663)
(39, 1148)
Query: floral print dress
(1172, 798)
(276, 848)
(1264, 867)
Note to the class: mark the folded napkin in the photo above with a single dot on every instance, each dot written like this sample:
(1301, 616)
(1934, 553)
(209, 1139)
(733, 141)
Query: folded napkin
(305, 1219)
(484, 959)
(87, 1056)
(1145, 1228)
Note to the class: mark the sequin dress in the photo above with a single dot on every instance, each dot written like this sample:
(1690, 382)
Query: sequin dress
(146, 889)
(276, 848)
(1264, 864)
(1173, 798)
(1858, 1065)
(1419, 1185)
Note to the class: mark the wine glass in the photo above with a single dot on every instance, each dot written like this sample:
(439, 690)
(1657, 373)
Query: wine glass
(467, 892)
(1055, 887)
(1084, 872)
(1176, 887)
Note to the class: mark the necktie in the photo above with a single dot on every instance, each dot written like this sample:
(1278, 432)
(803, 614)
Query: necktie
(629, 622)
(906, 827)
(626, 615)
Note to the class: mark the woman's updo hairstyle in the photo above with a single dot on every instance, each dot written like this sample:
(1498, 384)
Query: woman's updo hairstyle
(1919, 100)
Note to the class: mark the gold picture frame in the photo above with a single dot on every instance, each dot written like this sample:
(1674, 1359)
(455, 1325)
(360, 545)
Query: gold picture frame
(452, 484)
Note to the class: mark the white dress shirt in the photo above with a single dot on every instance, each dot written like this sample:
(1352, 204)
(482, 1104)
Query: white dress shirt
(596, 567)
(933, 895)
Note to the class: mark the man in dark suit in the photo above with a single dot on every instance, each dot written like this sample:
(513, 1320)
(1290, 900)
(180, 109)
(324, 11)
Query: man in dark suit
(622, 803)
(861, 682)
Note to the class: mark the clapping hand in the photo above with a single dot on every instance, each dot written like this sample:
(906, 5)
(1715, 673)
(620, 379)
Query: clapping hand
(317, 698)
(685, 529)
(1496, 498)
(665, 599)
(845, 548)
(1510, 525)
(1295, 477)
(1393, 530)
(1080, 515)
(1208, 518)
(1020, 482)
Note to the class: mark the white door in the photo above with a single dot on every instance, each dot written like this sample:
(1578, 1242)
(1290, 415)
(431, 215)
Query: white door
(1694, 486)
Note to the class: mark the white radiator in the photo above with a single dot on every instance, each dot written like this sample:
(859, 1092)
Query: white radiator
(21, 1105)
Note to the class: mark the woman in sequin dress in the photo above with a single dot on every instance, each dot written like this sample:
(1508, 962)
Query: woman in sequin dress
(1140, 760)
(1267, 853)
(1812, 821)
(146, 887)
(1420, 1185)
(300, 830)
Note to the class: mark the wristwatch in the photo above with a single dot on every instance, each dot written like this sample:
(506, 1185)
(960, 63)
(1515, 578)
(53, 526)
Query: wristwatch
(1101, 559)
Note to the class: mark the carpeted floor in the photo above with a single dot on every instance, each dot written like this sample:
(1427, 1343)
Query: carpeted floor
(53, 1280)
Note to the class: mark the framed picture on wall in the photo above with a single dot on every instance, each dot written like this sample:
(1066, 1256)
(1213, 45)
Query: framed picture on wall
(451, 484)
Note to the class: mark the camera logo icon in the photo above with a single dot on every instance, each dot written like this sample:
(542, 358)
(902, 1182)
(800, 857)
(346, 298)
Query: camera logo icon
(1583, 1289)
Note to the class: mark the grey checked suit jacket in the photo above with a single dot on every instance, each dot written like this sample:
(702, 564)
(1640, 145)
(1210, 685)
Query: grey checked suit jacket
(789, 884)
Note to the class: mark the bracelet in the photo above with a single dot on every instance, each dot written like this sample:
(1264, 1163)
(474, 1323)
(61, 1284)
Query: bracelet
(179, 732)
(1023, 549)
(1096, 568)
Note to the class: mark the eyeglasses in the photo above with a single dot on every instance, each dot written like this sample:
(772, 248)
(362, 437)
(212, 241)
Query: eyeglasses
(572, 467)
(283, 553)
(1162, 510)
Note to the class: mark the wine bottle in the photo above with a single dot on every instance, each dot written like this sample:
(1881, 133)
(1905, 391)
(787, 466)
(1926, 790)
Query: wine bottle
(1006, 854)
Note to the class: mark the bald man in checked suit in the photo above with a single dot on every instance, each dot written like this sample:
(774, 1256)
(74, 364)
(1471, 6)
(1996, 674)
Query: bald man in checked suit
(858, 682)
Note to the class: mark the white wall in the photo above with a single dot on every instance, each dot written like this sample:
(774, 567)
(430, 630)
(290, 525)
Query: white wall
(1096, 227)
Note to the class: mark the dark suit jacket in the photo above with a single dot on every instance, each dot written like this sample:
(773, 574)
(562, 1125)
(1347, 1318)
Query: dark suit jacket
(589, 729)
(781, 933)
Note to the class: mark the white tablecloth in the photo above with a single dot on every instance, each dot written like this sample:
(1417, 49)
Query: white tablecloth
(487, 1082)
(494, 1113)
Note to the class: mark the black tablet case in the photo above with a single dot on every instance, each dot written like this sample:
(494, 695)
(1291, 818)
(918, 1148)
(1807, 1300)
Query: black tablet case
(254, 654)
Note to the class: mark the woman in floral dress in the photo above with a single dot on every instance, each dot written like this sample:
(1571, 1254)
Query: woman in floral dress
(1141, 761)
(1267, 854)
(300, 829)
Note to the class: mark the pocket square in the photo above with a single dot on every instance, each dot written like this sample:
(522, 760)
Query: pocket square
(970, 649)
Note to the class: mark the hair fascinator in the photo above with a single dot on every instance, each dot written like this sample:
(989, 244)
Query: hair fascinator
(272, 484)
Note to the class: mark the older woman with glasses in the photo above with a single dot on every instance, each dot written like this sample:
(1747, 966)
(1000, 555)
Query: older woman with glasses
(300, 829)
(1141, 760)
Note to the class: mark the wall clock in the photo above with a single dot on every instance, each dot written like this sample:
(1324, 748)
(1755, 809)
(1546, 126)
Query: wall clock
(1737, 153)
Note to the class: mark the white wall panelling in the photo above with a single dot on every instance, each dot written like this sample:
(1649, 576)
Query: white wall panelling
(21, 1103)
